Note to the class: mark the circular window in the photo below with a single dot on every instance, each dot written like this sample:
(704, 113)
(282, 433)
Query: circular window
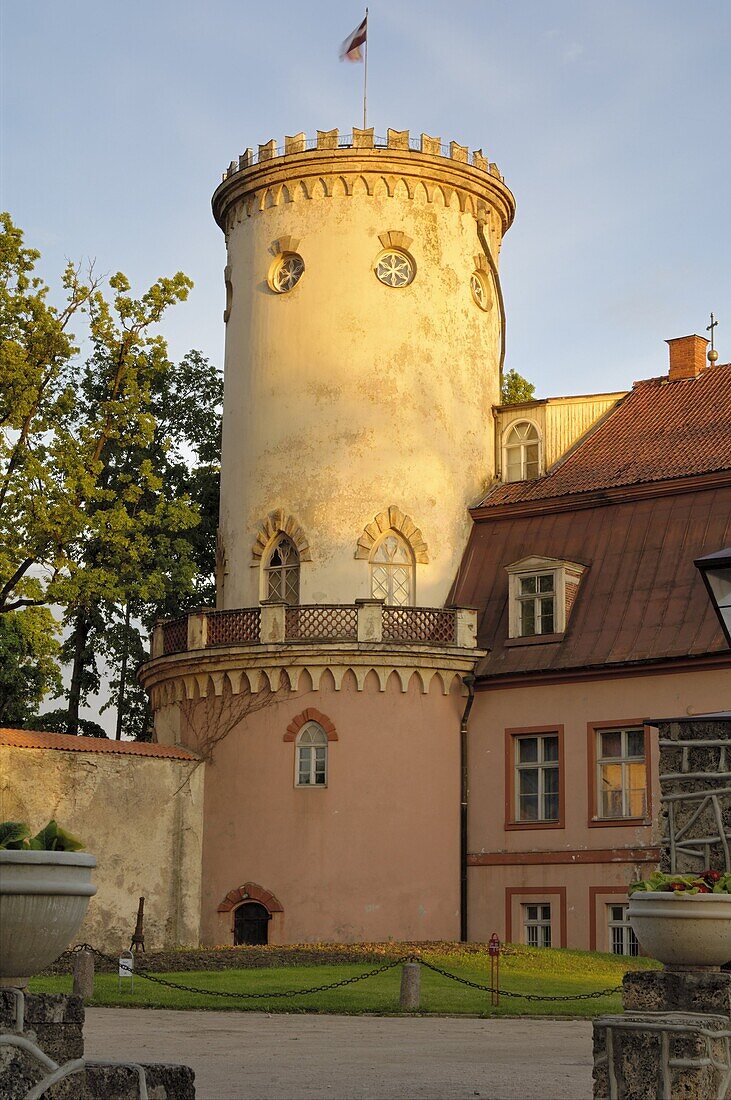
(287, 272)
(480, 290)
(395, 268)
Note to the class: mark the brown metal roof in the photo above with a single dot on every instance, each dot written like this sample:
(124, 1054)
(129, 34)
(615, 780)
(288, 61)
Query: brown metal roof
(640, 599)
(659, 431)
(36, 739)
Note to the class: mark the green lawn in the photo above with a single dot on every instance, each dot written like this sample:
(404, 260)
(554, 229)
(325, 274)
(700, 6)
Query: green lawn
(522, 970)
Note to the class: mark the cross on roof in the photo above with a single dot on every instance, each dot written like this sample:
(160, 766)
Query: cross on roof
(711, 327)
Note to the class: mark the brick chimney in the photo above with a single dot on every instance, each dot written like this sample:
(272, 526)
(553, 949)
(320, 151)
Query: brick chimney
(687, 357)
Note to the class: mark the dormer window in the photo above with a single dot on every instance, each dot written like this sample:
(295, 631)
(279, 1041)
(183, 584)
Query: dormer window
(541, 594)
(537, 603)
(522, 452)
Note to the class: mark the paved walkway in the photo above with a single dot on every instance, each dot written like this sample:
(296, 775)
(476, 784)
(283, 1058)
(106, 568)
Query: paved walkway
(252, 1056)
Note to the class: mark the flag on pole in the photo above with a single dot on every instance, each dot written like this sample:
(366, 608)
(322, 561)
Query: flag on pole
(351, 47)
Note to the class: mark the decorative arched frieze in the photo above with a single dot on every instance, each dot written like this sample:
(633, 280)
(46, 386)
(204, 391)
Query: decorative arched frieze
(250, 891)
(393, 519)
(310, 715)
(309, 676)
(276, 523)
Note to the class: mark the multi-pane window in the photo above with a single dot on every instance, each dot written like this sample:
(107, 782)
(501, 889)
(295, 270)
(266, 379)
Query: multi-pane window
(537, 777)
(537, 924)
(537, 604)
(283, 571)
(522, 452)
(621, 773)
(622, 939)
(312, 756)
(392, 572)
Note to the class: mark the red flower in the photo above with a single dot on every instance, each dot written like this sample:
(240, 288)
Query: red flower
(712, 876)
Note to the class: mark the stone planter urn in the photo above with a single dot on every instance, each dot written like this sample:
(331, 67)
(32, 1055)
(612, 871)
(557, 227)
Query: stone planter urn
(43, 900)
(681, 929)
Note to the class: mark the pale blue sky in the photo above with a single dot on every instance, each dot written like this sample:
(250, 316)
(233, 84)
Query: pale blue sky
(609, 120)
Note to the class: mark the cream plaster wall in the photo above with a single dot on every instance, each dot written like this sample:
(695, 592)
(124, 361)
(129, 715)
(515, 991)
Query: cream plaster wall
(574, 705)
(346, 396)
(375, 855)
(142, 819)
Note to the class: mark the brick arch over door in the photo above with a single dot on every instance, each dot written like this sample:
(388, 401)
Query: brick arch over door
(250, 891)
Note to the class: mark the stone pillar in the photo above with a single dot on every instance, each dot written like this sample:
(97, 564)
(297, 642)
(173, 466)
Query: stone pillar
(410, 986)
(53, 1022)
(197, 630)
(157, 644)
(84, 975)
(271, 623)
(673, 1039)
(370, 620)
(467, 627)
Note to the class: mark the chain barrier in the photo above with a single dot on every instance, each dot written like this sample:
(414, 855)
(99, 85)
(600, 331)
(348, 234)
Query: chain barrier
(523, 996)
(239, 996)
(559, 997)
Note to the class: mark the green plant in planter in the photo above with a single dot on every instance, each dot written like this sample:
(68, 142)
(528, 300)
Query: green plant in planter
(15, 836)
(707, 882)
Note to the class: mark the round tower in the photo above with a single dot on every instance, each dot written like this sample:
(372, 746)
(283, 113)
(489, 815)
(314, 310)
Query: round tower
(326, 696)
(364, 334)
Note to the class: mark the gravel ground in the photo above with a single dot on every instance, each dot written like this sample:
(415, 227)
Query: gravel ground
(253, 1056)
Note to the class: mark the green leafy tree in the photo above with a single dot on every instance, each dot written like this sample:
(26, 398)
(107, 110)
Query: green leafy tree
(515, 389)
(29, 652)
(85, 520)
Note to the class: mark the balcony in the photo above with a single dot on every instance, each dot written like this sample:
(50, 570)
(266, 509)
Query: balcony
(365, 621)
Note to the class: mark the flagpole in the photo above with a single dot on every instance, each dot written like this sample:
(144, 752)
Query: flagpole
(365, 74)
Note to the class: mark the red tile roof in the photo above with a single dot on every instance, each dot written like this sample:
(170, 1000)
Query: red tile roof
(35, 739)
(659, 431)
(641, 599)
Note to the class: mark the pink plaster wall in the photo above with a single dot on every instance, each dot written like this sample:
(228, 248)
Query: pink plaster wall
(573, 705)
(375, 855)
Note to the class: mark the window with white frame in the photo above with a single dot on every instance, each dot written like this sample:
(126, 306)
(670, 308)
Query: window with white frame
(622, 939)
(311, 756)
(392, 571)
(537, 924)
(522, 452)
(621, 773)
(542, 594)
(536, 777)
(537, 604)
(283, 571)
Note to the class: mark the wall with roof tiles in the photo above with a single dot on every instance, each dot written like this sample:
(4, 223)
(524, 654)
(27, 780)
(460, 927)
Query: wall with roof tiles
(140, 816)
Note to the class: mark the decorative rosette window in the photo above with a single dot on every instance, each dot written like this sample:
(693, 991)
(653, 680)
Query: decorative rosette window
(287, 272)
(395, 268)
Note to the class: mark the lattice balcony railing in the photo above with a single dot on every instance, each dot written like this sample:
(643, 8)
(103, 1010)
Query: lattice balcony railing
(232, 627)
(175, 635)
(307, 623)
(420, 624)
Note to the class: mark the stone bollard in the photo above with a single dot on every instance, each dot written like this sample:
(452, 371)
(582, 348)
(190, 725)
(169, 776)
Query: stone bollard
(410, 986)
(84, 975)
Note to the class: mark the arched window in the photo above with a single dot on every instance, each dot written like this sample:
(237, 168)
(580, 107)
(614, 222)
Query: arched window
(311, 756)
(283, 571)
(522, 459)
(251, 923)
(392, 571)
